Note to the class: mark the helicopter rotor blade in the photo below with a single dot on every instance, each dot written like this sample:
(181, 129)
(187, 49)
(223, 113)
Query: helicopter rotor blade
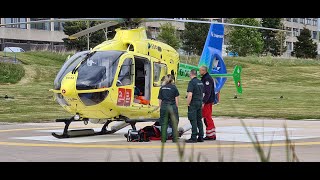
(66, 20)
(92, 29)
(138, 20)
(212, 22)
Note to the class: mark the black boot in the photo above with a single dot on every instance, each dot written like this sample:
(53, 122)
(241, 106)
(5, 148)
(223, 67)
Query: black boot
(210, 138)
(200, 139)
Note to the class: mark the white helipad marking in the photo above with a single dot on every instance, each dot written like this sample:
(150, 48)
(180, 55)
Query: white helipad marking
(240, 129)
(227, 133)
(261, 138)
(245, 137)
(239, 134)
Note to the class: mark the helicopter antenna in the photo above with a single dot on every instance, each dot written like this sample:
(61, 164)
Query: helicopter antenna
(88, 35)
(106, 33)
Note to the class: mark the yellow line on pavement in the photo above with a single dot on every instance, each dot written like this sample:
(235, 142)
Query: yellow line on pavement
(142, 146)
(168, 145)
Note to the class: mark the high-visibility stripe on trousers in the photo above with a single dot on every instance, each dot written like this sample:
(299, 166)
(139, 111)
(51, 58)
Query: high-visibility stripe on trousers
(208, 121)
(211, 132)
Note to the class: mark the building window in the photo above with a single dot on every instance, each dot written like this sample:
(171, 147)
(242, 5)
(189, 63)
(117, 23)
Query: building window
(295, 32)
(315, 21)
(62, 25)
(23, 26)
(309, 21)
(43, 26)
(295, 20)
(314, 34)
(9, 20)
(289, 46)
(289, 31)
(58, 26)
(16, 20)
(288, 19)
(302, 20)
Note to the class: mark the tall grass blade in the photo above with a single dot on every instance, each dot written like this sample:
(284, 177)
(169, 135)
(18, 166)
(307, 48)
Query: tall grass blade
(140, 158)
(162, 152)
(198, 157)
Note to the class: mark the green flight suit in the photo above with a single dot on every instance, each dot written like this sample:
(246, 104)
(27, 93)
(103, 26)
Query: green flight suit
(195, 108)
(169, 114)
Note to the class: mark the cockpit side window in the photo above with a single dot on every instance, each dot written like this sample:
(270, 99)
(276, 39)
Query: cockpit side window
(126, 73)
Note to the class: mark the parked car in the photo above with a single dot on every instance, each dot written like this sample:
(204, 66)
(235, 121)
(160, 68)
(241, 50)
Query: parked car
(13, 49)
(231, 54)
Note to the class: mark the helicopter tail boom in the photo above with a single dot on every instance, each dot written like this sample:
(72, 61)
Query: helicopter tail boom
(184, 69)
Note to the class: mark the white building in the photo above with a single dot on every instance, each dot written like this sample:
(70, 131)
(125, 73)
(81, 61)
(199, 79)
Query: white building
(50, 34)
(294, 26)
(26, 36)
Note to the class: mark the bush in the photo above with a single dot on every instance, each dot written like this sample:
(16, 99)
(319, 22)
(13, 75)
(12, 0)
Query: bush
(11, 73)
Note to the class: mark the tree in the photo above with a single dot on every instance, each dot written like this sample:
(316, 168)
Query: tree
(80, 43)
(273, 40)
(168, 35)
(305, 47)
(194, 37)
(245, 41)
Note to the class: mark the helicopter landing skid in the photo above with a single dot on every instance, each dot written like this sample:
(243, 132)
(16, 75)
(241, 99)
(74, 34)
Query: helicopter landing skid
(80, 132)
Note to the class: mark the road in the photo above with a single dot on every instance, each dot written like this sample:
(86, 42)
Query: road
(30, 142)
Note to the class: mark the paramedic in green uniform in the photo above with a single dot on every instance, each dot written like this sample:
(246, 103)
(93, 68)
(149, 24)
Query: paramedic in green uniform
(194, 102)
(168, 100)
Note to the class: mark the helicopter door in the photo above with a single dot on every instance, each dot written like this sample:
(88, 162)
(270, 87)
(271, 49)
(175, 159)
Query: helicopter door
(142, 79)
(125, 82)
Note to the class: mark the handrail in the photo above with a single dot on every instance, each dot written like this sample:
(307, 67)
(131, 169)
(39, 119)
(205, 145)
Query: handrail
(15, 59)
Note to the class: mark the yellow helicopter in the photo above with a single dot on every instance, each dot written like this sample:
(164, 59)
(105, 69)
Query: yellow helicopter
(119, 80)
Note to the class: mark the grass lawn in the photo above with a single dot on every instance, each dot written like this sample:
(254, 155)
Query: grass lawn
(264, 80)
(32, 101)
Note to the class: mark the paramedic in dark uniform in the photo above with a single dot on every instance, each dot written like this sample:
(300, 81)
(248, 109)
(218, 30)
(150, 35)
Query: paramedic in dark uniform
(208, 100)
(168, 102)
(194, 102)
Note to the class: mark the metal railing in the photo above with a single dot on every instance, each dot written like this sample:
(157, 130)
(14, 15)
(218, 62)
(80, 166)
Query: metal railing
(15, 56)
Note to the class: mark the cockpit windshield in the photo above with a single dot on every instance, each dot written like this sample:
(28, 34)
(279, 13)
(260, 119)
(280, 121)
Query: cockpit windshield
(98, 70)
(68, 66)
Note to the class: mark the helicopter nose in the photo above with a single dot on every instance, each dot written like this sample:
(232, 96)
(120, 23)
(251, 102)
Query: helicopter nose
(67, 90)
(68, 87)
(64, 92)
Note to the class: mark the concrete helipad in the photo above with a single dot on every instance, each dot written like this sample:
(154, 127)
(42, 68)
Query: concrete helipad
(33, 142)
